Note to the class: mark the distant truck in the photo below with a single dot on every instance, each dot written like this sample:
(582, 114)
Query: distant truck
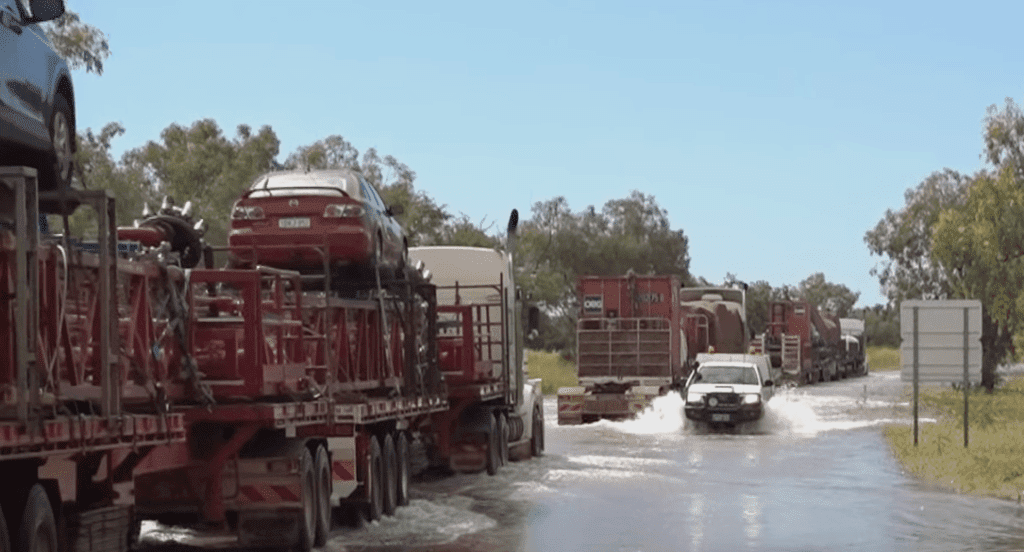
(803, 341)
(729, 389)
(854, 362)
(714, 319)
(629, 347)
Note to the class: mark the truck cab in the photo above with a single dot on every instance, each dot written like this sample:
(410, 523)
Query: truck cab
(728, 389)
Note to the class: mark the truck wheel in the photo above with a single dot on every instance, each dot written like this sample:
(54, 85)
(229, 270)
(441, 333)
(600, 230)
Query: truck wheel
(324, 482)
(502, 438)
(38, 528)
(134, 532)
(375, 476)
(5, 536)
(403, 469)
(493, 457)
(390, 475)
(537, 435)
(308, 514)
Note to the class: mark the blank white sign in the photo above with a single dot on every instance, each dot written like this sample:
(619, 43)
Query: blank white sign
(940, 340)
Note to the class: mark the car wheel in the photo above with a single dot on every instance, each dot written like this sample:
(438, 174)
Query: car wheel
(58, 168)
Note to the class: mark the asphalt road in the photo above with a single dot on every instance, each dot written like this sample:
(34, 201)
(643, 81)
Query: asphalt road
(814, 474)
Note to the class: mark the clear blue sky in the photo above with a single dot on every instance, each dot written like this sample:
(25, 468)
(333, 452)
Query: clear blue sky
(774, 133)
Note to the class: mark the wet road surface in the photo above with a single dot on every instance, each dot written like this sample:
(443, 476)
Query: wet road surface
(814, 474)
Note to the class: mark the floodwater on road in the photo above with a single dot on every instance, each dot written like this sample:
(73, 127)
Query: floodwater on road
(814, 474)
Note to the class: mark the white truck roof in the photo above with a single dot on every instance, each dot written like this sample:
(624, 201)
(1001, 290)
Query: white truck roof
(851, 326)
(468, 266)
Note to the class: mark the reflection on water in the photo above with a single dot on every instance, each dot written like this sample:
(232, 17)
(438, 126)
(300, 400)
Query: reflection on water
(814, 474)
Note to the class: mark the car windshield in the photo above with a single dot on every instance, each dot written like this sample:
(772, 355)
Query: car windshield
(743, 375)
(333, 183)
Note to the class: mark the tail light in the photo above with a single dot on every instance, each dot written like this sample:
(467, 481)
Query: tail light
(343, 211)
(247, 212)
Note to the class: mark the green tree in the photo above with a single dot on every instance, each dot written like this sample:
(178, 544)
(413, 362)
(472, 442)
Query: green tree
(425, 222)
(556, 245)
(95, 168)
(834, 298)
(904, 237)
(758, 295)
(82, 45)
(881, 325)
(333, 152)
(979, 245)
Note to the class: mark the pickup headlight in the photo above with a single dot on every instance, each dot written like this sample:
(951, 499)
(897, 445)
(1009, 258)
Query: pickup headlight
(695, 398)
(751, 398)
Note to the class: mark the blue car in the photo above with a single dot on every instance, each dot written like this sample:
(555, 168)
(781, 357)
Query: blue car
(37, 101)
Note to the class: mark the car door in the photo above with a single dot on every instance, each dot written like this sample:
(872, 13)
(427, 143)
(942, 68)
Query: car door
(389, 227)
(24, 76)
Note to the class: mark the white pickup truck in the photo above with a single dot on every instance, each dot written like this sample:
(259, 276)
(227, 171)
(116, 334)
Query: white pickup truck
(727, 389)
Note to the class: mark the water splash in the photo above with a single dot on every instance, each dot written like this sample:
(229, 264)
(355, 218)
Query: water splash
(421, 522)
(664, 415)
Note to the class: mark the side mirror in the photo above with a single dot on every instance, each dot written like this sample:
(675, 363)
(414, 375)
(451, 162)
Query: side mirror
(396, 210)
(768, 383)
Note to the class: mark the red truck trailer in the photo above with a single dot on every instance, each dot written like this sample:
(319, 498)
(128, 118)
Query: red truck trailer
(629, 345)
(82, 374)
(252, 402)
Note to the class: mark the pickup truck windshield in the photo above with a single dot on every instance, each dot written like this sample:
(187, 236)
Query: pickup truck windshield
(742, 375)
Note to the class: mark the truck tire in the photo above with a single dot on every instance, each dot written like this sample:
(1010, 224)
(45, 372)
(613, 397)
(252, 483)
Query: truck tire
(537, 434)
(493, 457)
(390, 475)
(375, 477)
(502, 438)
(324, 482)
(403, 468)
(134, 532)
(38, 527)
(5, 536)
(308, 514)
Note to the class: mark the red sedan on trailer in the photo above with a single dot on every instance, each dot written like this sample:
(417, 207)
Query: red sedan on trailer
(294, 219)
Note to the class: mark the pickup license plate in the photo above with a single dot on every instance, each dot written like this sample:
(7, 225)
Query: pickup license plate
(720, 418)
(293, 222)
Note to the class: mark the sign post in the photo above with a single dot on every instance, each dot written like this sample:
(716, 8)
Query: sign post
(916, 378)
(941, 344)
(967, 380)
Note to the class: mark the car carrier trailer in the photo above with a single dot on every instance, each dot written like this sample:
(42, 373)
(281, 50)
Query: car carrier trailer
(248, 402)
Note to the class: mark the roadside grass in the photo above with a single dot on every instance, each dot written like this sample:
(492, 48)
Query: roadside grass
(883, 359)
(992, 465)
(553, 369)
